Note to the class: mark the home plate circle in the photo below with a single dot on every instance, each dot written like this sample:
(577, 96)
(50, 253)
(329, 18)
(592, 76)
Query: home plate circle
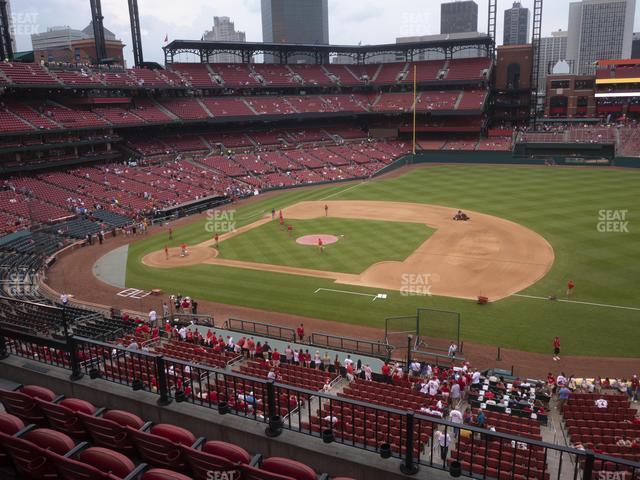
(313, 239)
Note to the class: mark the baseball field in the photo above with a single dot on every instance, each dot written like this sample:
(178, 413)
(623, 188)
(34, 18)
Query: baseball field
(569, 223)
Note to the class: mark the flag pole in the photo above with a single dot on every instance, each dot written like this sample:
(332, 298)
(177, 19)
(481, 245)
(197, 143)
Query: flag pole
(415, 67)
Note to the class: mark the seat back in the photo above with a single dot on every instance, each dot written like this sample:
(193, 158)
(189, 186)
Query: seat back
(36, 391)
(71, 469)
(252, 473)
(30, 459)
(107, 433)
(63, 419)
(9, 424)
(289, 468)
(156, 450)
(201, 464)
(22, 406)
(107, 460)
(162, 474)
(230, 451)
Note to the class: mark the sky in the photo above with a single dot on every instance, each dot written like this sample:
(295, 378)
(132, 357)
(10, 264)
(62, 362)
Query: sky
(350, 21)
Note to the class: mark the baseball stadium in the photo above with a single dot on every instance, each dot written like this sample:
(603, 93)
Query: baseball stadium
(304, 260)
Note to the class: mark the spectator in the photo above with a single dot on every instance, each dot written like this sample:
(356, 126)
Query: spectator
(444, 440)
(456, 417)
(563, 396)
(368, 373)
(300, 332)
(481, 419)
(602, 403)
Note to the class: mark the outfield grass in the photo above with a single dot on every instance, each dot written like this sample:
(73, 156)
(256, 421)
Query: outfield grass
(562, 204)
(361, 244)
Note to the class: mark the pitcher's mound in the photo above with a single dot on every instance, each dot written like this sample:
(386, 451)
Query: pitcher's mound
(313, 239)
(196, 256)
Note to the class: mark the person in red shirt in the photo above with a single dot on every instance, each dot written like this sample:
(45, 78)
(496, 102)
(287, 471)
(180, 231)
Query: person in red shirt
(155, 333)
(216, 238)
(556, 349)
(349, 368)
(275, 357)
(138, 330)
(551, 380)
(290, 229)
(251, 346)
(320, 245)
(259, 350)
(189, 336)
(386, 372)
(570, 287)
(167, 328)
(635, 388)
(300, 332)
(183, 250)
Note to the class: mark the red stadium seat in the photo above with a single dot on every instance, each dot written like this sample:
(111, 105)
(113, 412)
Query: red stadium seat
(161, 446)
(63, 417)
(29, 453)
(284, 466)
(10, 425)
(214, 456)
(95, 463)
(24, 406)
(162, 474)
(110, 429)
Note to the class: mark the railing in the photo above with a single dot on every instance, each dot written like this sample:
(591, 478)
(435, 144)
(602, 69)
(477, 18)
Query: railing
(378, 349)
(263, 329)
(415, 439)
(186, 318)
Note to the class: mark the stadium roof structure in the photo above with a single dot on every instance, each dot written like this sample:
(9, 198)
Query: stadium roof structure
(321, 53)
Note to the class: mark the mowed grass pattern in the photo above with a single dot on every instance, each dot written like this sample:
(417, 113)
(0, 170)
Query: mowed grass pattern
(562, 204)
(361, 244)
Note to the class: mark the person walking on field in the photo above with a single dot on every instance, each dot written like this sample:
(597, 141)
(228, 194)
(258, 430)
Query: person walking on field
(556, 349)
(273, 213)
(320, 245)
(326, 210)
(166, 252)
(170, 233)
(216, 237)
(570, 287)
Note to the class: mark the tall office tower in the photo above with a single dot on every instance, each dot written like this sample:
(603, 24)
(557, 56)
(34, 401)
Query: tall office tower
(553, 49)
(516, 25)
(635, 45)
(599, 30)
(459, 17)
(295, 21)
(224, 30)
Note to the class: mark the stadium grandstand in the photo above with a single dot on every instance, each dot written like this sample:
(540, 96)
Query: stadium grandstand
(155, 389)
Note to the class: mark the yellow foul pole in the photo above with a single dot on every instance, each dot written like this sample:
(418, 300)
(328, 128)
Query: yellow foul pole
(414, 107)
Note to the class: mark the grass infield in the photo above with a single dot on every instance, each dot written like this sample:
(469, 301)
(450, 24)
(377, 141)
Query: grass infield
(565, 205)
(361, 243)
